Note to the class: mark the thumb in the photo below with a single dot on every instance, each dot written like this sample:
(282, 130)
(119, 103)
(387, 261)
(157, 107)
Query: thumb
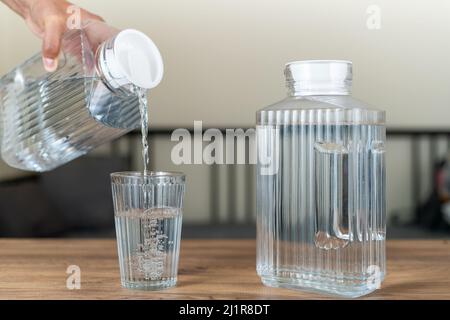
(53, 31)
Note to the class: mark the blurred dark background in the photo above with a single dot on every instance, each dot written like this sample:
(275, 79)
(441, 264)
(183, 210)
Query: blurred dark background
(75, 200)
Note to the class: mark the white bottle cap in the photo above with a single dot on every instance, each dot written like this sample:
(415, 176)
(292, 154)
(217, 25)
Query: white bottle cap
(132, 57)
(311, 77)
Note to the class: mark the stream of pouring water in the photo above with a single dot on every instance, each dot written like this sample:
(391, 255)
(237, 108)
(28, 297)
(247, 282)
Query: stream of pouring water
(143, 109)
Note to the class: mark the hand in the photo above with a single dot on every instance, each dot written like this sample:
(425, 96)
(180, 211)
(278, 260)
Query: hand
(48, 20)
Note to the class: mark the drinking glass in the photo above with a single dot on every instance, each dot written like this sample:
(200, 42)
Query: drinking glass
(148, 214)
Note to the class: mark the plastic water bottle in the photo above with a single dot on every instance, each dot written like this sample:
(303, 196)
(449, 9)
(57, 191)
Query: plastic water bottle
(48, 119)
(321, 185)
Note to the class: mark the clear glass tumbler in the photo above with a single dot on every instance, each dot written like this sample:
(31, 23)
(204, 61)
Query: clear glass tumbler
(148, 214)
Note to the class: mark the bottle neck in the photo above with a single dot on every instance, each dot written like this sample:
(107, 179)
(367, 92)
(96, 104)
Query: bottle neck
(296, 88)
(318, 77)
(106, 73)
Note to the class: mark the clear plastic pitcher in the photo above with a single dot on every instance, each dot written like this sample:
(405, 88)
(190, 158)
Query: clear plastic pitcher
(321, 185)
(48, 119)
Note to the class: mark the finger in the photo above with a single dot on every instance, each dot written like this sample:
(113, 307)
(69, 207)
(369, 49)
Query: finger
(53, 31)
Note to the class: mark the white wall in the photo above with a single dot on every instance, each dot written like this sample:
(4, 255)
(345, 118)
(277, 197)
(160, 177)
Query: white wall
(225, 58)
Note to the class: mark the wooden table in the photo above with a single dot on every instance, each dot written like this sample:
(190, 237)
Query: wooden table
(209, 269)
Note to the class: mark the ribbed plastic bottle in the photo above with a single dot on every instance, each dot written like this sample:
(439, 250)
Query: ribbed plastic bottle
(48, 119)
(321, 185)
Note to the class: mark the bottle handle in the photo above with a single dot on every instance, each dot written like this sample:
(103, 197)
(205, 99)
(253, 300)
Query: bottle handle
(331, 195)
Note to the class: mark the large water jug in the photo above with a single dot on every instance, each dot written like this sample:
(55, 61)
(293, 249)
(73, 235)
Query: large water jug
(48, 119)
(321, 185)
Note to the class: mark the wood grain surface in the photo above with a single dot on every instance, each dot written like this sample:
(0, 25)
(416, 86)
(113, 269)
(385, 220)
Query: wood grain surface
(209, 269)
